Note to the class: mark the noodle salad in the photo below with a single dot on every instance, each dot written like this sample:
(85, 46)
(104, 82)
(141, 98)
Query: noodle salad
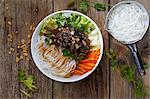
(69, 44)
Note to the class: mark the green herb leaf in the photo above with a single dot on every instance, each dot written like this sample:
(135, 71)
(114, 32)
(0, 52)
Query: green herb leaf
(28, 82)
(113, 59)
(138, 87)
(128, 73)
(145, 66)
(48, 41)
(100, 6)
(111, 51)
(66, 52)
(21, 76)
(84, 6)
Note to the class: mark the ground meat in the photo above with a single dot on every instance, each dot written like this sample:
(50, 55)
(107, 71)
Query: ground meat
(73, 40)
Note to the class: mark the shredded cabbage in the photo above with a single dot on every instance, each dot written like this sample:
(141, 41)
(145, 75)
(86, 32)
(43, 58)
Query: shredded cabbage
(67, 19)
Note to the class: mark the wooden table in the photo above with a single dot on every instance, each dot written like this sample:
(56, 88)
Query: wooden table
(20, 15)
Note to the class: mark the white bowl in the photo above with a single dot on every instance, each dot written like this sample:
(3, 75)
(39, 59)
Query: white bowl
(43, 67)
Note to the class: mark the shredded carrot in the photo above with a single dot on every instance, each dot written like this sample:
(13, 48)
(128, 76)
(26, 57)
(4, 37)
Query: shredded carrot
(87, 60)
(81, 69)
(88, 63)
(92, 54)
(78, 72)
(85, 67)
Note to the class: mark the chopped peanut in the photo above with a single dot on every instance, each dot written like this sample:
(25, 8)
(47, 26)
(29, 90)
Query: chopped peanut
(9, 23)
(25, 54)
(32, 28)
(29, 36)
(22, 41)
(18, 47)
(12, 49)
(9, 52)
(17, 59)
(21, 57)
(10, 38)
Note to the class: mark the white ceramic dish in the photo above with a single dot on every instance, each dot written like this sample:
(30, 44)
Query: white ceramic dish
(43, 67)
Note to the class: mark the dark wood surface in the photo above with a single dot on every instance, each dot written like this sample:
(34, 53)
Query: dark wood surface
(101, 84)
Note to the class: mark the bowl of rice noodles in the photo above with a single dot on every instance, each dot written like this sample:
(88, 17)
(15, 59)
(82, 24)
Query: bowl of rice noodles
(67, 46)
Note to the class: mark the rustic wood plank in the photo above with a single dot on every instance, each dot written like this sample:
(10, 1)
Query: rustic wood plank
(22, 11)
(97, 84)
(102, 73)
(144, 48)
(9, 71)
(2, 54)
(40, 9)
(29, 14)
(1, 46)
(120, 89)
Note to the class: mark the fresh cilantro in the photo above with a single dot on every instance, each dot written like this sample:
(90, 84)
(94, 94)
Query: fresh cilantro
(21, 76)
(68, 53)
(100, 6)
(113, 59)
(84, 6)
(145, 66)
(27, 82)
(140, 89)
(48, 41)
(128, 73)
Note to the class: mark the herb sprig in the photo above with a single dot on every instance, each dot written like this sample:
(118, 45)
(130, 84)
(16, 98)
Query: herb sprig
(27, 82)
(128, 73)
(84, 6)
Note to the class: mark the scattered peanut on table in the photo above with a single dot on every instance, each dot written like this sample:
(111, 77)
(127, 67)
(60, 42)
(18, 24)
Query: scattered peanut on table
(22, 49)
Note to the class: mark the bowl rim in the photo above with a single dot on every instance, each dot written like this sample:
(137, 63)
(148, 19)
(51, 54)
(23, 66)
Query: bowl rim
(84, 75)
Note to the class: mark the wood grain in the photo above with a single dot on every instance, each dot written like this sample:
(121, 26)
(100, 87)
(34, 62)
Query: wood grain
(121, 89)
(10, 84)
(144, 48)
(39, 10)
(97, 84)
(101, 84)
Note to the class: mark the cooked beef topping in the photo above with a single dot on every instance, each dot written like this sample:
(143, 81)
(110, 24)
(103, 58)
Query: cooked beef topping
(73, 40)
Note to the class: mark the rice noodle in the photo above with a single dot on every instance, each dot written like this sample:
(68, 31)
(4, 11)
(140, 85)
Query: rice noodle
(60, 65)
(127, 22)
